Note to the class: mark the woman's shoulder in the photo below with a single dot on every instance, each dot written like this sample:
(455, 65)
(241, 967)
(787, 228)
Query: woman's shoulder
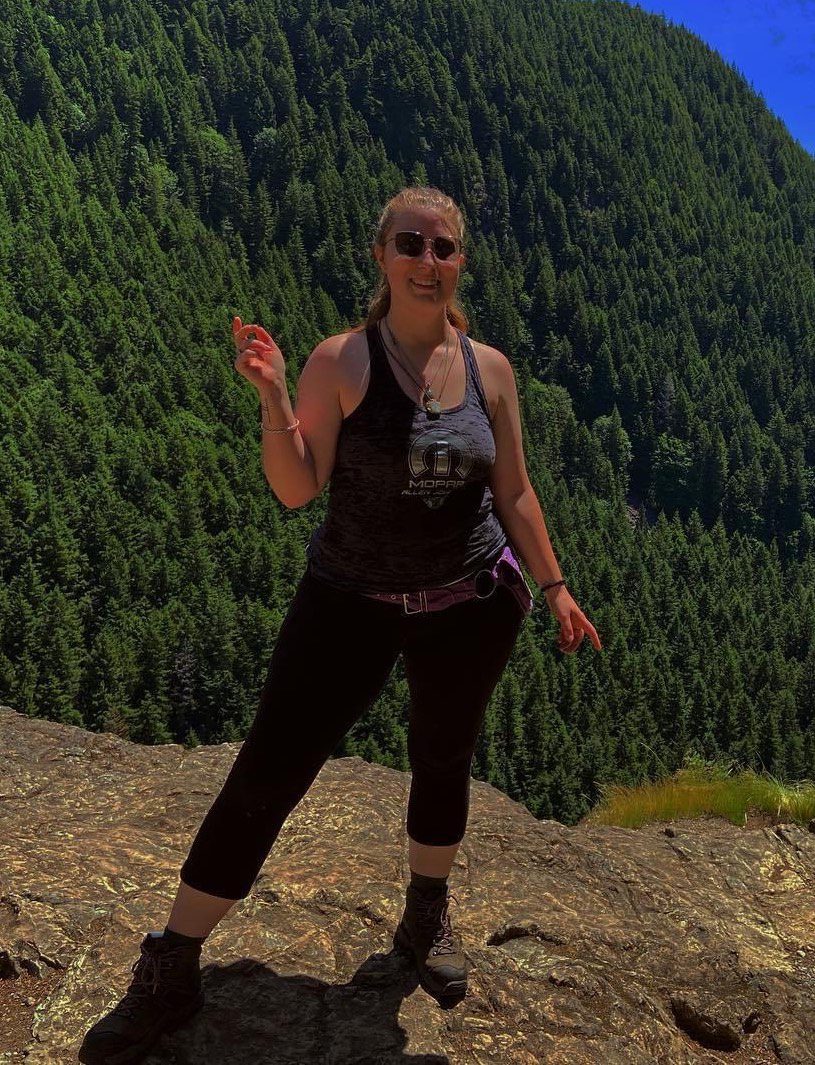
(345, 346)
(487, 360)
(485, 354)
(352, 362)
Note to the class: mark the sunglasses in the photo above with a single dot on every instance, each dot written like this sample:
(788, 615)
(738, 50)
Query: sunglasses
(413, 244)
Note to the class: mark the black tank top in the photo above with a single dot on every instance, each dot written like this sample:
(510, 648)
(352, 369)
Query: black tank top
(410, 505)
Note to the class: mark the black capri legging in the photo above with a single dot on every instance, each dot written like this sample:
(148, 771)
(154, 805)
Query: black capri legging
(334, 653)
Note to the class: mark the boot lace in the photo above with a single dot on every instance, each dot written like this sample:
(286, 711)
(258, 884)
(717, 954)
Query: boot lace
(150, 971)
(433, 913)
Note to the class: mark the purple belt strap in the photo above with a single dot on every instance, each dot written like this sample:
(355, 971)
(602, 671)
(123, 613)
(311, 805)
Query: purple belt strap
(480, 585)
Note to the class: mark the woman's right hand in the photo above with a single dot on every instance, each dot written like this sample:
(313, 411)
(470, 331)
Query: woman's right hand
(259, 360)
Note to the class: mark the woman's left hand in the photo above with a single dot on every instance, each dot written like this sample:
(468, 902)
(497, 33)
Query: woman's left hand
(573, 622)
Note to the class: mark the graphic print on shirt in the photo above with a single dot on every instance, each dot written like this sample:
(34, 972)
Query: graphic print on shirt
(439, 460)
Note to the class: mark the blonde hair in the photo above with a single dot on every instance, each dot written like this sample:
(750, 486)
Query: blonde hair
(422, 196)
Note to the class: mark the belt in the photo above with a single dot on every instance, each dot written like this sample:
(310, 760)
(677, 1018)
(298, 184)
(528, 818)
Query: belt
(479, 585)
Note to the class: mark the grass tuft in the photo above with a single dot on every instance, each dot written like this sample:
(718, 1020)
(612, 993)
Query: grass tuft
(702, 788)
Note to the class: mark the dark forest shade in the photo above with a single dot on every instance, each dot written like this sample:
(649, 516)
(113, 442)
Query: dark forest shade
(641, 241)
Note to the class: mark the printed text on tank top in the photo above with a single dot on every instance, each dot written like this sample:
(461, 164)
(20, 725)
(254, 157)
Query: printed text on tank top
(356, 372)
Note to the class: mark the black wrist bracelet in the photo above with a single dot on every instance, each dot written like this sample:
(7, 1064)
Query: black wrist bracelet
(552, 584)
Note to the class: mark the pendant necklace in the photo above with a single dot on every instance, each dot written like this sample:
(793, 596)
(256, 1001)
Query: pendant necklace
(432, 404)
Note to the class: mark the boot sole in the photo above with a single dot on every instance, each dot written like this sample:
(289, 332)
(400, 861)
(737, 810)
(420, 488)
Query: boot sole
(449, 989)
(130, 1055)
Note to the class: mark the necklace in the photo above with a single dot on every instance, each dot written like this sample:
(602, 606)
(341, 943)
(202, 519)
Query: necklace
(432, 403)
(428, 391)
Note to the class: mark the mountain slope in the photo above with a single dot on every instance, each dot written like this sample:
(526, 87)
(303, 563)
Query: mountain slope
(641, 243)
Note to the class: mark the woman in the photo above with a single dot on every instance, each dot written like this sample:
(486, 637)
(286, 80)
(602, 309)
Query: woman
(418, 429)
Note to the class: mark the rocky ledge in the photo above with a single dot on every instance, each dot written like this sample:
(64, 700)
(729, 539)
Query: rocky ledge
(691, 942)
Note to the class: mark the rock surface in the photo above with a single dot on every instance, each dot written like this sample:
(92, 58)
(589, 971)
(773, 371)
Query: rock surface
(587, 943)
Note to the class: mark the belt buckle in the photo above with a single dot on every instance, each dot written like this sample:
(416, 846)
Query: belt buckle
(492, 574)
(422, 602)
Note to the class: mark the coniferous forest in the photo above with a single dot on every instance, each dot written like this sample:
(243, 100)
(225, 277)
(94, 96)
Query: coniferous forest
(641, 238)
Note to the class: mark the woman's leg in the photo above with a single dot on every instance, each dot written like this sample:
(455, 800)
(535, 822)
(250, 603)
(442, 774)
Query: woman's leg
(333, 655)
(453, 660)
(431, 861)
(195, 913)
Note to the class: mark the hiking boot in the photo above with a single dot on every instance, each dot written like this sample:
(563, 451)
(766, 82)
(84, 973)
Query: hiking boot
(164, 992)
(426, 932)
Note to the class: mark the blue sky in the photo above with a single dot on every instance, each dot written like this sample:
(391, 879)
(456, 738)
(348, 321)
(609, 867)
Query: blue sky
(772, 43)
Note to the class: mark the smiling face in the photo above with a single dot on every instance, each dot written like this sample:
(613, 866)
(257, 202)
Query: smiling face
(404, 271)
